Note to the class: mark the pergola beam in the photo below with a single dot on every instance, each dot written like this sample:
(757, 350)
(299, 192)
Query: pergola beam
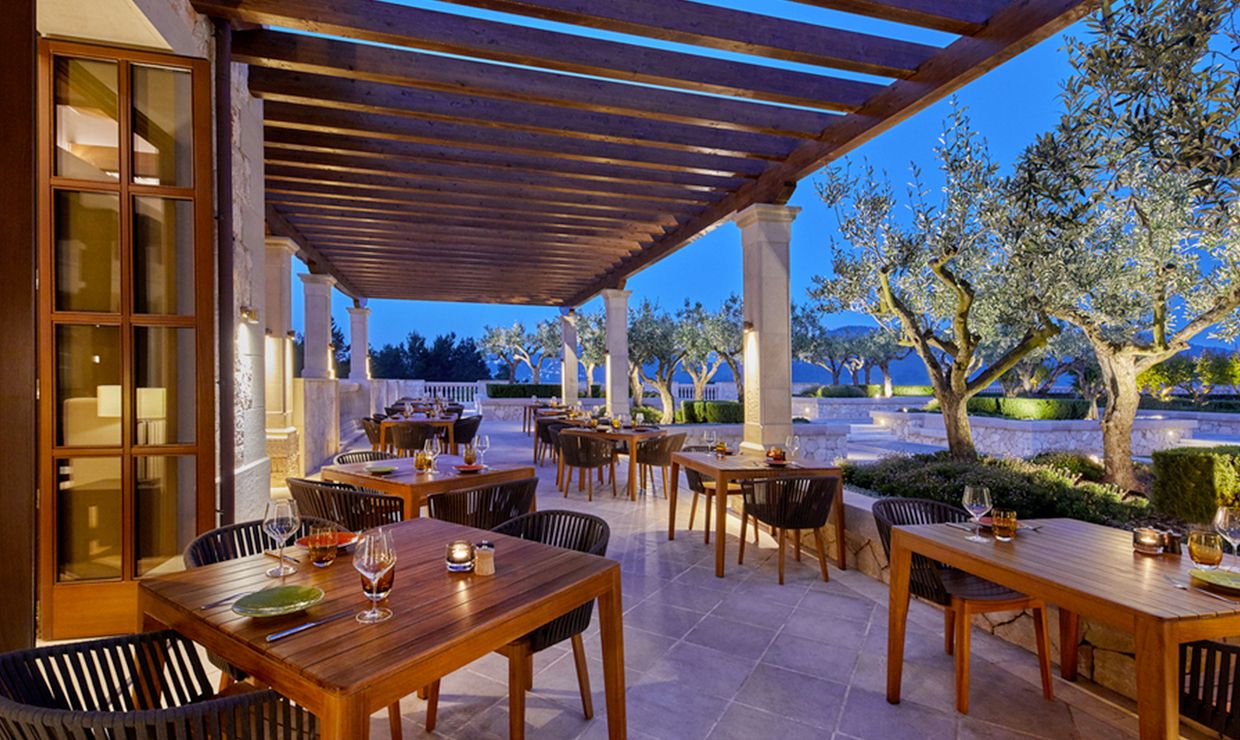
(965, 17)
(296, 212)
(399, 25)
(430, 232)
(307, 252)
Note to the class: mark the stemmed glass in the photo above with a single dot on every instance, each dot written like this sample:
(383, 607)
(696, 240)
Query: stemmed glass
(281, 521)
(374, 557)
(976, 501)
(1227, 522)
(482, 444)
(793, 446)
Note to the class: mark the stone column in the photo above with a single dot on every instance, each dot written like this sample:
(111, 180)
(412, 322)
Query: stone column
(616, 367)
(359, 343)
(283, 441)
(568, 354)
(765, 233)
(318, 337)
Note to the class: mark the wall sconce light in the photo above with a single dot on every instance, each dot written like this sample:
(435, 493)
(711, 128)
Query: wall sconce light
(291, 334)
(747, 326)
(248, 315)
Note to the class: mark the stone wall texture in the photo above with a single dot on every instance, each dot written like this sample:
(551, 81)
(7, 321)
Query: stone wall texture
(856, 409)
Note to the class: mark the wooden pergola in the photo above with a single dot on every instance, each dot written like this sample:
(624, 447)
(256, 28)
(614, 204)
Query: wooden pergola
(425, 155)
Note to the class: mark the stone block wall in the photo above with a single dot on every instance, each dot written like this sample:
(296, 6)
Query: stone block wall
(852, 408)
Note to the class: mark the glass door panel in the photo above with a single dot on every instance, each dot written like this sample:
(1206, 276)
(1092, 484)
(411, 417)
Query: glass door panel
(87, 123)
(163, 511)
(88, 386)
(163, 256)
(89, 526)
(164, 376)
(163, 123)
(87, 244)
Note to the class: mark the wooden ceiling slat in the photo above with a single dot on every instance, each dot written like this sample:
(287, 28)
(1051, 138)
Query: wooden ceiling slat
(307, 251)
(965, 17)
(302, 212)
(484, 175)
(405, 128)
(321, 237)
(1014, 29)
(430, 154)
(302, 53)
(400, 25)
(430, 231)
(565, 264)
(699, 24)
(454, 108)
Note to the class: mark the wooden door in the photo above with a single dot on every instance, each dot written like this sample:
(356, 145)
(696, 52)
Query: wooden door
(126, 433)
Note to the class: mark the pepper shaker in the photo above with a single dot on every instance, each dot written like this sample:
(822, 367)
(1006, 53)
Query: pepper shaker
(484, 553)
(1171, 543)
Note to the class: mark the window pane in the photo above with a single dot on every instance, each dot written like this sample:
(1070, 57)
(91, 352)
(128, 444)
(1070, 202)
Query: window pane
(88, 263)
(163, 116)
(88, 385)
(163, 256)
(87, 129)
(164, 511)
(164, 375)
(88, 518)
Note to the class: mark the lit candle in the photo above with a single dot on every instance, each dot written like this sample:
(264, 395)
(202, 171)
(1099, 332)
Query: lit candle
(460, 557)
(1147, 541)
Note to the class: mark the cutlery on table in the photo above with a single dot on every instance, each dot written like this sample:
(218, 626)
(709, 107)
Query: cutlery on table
(286, 558)
(1186, 587)
(303, 627)
(223, 601)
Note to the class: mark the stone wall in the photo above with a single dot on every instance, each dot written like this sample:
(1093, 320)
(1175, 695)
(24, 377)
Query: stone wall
(316, 412)
(822, 442)
(1019, 438)
(1208, 423)
(852, 408)
(511, 409)
(355, 403)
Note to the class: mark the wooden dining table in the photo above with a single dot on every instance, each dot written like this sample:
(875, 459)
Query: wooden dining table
(1090, 571)
(414, 487)
(447, 422)
(630, 436)
(343, 671)
(740, 466)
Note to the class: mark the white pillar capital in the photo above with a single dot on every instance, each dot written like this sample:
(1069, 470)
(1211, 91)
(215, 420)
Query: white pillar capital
(359, 343)
(318, 307)
(316, 281)
(281, 244)
(766, 213)
(616, 364)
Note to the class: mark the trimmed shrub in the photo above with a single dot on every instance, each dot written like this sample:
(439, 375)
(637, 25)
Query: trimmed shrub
(1192, 482)
(724, 412)
(653, 415)
(874, 390)
(841, 391)
(1221, 405)
(525, 390)
(1037, 409)
(1031, 490)
(1073, 463)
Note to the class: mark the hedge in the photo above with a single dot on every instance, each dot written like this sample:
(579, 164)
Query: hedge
(1217, 405)
(1039, 409)
(525, 390)
(864, 391)
(1075, 464)
(711, 412)
(1029, 489)
(1192, 482)
(876, 391)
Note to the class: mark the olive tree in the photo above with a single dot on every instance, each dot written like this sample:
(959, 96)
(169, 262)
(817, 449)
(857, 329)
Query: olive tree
(653, 343)
(546, 339)
(724, 332)
(881, 347)
(1126, 209)
(514, 346)
(814, 343)
(700, 359)
(592, 334)
(938, 276)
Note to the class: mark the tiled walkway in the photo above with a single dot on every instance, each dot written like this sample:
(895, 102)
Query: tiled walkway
(742, 657)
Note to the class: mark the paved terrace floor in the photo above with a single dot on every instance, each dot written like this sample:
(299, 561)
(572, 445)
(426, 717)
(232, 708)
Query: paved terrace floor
(743, 657)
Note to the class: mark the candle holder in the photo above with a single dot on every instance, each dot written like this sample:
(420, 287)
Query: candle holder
(459, 557)
(1147, 541)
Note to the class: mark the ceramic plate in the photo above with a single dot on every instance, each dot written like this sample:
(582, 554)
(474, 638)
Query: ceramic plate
(1226, 579)
(470, 468)
(778, 463)
(380, 469)
(277, 601)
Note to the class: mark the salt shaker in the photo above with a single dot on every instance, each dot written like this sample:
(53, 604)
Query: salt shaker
(484, 554)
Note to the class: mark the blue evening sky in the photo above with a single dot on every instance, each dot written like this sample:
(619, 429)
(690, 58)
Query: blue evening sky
(1009, 106)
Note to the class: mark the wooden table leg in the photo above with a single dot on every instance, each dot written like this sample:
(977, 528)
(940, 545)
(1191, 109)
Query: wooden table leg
(344, 718)
(1069, 643)
(1158, 702)
(840, 545)
(611, 634)
(721, 522)
(671, 501)
(452, 439)
(633, 468)
(897, 615)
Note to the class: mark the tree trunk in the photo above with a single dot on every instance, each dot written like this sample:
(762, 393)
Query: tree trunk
(699, 387)
(637, 395)
(888, 389)
(835, 376)
(856, 373)
(735, 368)
(1119, 378)
(868, 370)
(535, 372)
(956, 421)
(669, 403)
(512, 371)
(589, 378)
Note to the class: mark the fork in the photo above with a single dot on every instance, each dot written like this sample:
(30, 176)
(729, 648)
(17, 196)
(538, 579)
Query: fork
(223, 601)
(1185, 587)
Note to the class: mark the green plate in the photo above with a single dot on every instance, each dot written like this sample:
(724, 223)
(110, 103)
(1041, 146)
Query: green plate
(380, 469)
(1227, 579)
(277, 601)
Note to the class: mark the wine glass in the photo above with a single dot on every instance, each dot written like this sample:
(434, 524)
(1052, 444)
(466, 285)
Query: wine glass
(482, 444)
(374, 557)
(976, 501)
(1227, 523)
(281, 521)
(793, 446)
(432, 454)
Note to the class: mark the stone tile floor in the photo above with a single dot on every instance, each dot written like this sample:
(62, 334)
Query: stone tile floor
(743, 657)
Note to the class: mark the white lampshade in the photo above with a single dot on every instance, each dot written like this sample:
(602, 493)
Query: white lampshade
(109, 400)
(152, 403)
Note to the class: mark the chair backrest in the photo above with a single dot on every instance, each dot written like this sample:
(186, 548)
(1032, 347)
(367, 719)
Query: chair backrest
(371, 427)
(485, 508)
(584, 451)
(361, 456)
(348, 507)
(658, 451)
(465, 429)
(542, 427)
(1210, 685)
(924, 580)
(143, 687)
(571, 530)
(410, 435)
(791, 503)
(239, 540)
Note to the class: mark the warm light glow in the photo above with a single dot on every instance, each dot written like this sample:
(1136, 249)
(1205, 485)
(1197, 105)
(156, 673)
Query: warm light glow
(152, 403)
(108, 398)
(248, 315)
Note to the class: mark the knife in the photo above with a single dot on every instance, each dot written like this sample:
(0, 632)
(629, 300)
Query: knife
(303, 627)
(223, 601)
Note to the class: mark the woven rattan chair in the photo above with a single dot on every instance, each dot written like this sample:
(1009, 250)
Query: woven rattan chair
(574, 531)
(704, 487)
(407, 437)
(657, 453)
(485, 508)
(349, 507)
(1210, 685)
(362, 456)
(585, 454)
(239, 540)
(371, 427)
(960, 594)
(785, 504)
(465, 429)
(546, 438)
(140, 687)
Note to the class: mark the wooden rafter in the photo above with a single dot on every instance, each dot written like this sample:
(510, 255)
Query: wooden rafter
(965, 17)
(307, 252)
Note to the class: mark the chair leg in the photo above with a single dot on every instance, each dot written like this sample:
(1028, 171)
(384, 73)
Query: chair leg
(612, 474)
(516, 692)
(667, 474)
(432, 705)
(710, 499)
(780, 536)
(693, 509)
(796, 536)
(1043, 634)
(589, 476)
(225, 681)
(820, 542)
(568, 477)
(949, 629)
(394, 720)
(583, 676)
(740, 555)
(963, 633)
(529, 672)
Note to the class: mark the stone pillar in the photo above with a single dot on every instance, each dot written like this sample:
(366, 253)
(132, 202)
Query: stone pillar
(568, 355)
(283, 442)
(359, 343)
(616, 367)
(765, 233)
(318, 337)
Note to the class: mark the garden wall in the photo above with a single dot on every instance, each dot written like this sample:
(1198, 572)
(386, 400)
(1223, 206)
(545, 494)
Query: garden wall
(822, 442)
(855, 409)
(511, 409)
(1020, 438)
(1208, 422)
